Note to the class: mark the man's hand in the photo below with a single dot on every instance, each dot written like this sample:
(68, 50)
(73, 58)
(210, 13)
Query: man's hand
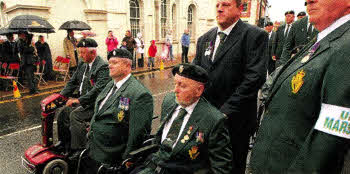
(72, 101)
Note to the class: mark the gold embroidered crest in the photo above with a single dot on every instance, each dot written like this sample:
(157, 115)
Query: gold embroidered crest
(120, 115)
(297, 81)
(193, 152)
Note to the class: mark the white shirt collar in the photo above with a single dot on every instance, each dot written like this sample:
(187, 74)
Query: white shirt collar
(121, 82)
(90, 64)
(332, 27)
(189, 109)
(228, 30)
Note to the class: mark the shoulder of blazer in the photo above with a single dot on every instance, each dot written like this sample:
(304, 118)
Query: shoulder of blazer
(208, 33)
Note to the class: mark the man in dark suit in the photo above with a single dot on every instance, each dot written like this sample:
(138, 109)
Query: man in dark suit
(122, 118)
(282, 33)
(192, 135)
(271, 47)
(87, 81)
(305, 127)
(300, 34)
(235, 56)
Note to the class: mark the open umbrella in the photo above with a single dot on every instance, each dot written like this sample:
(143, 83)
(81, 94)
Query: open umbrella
(75, 25)
(5, 31)
(31, 23)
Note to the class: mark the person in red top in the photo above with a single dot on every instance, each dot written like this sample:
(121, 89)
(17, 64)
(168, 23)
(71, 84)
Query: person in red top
(152, 51)
(111, 42)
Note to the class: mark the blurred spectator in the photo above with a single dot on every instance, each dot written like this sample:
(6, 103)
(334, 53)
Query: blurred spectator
(123, 46)
(111, 42)
(44, 53)
(10, 50)
(140, 49)
(70, 49)
(169, 42)
(185, 42)
(29, 58)
(130, 45)
(165, 52)
(152, 51)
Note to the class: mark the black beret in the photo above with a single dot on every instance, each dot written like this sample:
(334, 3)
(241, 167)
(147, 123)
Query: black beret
(301, 14)
(289, 12)
(191, 71)
(269, 24)
(87, 43)
(120, 53)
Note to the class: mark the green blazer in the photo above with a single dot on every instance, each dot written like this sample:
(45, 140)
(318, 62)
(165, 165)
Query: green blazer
(118, 128)
(214, 149)
(99, 77)
(297, 37)
(287, 141)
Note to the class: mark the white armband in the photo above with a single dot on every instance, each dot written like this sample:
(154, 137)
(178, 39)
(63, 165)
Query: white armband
(334, 120)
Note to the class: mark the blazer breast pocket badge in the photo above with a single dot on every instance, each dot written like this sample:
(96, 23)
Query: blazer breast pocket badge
(124, 107)
(297, 81)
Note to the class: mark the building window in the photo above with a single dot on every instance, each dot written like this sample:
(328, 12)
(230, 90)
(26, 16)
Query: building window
(190, 25)
(163, 18)
(134, 17)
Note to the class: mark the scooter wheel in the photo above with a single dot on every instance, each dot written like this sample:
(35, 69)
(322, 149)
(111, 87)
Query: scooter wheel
(56, 166)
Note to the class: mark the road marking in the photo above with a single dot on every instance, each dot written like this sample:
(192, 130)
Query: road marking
(39, 126)
(30, 96)
(21, 131)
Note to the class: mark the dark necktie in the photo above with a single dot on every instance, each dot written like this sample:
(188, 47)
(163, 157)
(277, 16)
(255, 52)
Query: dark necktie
(287, 31)
(309, 31)
(86, 81)
(221, 44)
(174, 129)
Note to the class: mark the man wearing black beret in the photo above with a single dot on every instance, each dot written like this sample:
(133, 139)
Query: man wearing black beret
(192, 135)
(87, 81)
(122, 118)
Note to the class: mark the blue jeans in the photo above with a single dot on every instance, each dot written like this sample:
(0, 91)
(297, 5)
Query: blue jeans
(150, 61)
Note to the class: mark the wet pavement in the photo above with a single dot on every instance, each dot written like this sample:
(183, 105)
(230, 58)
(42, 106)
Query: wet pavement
(20, 119)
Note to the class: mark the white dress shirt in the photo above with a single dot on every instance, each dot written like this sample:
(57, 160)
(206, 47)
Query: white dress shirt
(285, 30)
(189, 110)
(81, 85)
(332, 27)
(118, 85)
(227, 31)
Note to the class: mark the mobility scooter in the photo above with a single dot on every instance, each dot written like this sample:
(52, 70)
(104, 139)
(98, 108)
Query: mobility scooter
(43, 158)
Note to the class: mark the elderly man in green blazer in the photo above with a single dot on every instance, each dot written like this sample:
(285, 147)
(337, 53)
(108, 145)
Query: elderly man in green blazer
(192, 136)
(122, 118)
(83, 88)
(306, 122)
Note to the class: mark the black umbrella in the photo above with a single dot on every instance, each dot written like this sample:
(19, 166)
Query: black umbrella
(75, 25)
(31, 23)
(5, 31)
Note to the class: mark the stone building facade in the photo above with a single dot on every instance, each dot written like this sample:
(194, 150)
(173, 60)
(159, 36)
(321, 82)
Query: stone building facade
(153, 18)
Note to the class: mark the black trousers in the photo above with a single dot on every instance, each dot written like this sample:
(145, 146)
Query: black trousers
(140, 61)
(71, 126)
(29, 74)
(184, 54)
(240, 136)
